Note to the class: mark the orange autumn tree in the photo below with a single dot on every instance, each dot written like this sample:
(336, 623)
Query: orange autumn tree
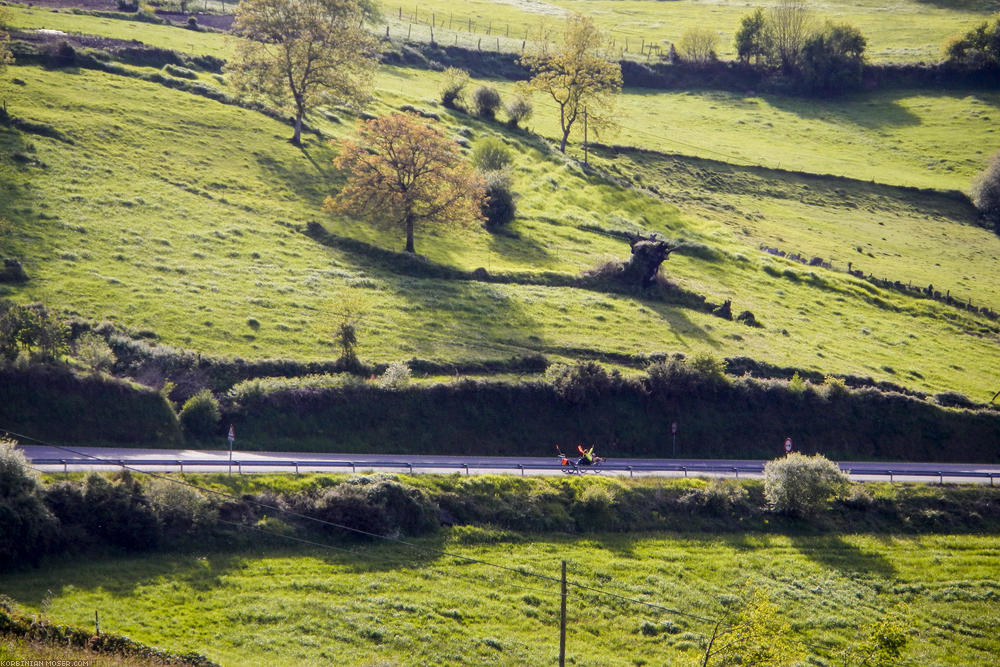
(404, 173)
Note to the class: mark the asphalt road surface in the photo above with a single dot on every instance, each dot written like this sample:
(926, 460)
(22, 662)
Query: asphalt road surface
(56, 459)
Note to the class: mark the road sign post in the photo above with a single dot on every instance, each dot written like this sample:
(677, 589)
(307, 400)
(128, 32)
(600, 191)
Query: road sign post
(232, 437)
(788, 445)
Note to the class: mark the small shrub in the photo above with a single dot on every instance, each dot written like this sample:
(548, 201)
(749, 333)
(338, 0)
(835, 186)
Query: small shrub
(834, 387)
(192, 23)
(708, 365)
(455, 81)
(797, 385)
(180, 509)
(396, 376)
(490, 154)
(65, 55)
(953, 399)
(802, 486)
(517, 110)
(200, 415)
(499, 206)
(698, 45)
(93, 350)
(486, 101)
(585, 382)
(119, 514)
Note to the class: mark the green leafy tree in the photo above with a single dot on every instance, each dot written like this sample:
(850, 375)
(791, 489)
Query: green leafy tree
(575, 76)
(833, 58)
(298, 54)
(986, 192)
(753, 40)
(405, 173)
(752, 633)
(978, 48)
(881, 645)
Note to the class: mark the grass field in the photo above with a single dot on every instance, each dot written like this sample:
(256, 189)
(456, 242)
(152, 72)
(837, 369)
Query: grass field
(179, 215)
(898, 31)
(388, 604)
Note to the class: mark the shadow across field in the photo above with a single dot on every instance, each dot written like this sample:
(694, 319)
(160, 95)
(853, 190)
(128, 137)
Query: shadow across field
(835, 552)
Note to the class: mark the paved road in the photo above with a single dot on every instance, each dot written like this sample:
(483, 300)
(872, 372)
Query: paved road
(86, 458)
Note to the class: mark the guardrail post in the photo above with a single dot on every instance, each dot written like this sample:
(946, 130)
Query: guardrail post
(466, 468)
(411, 467)
(354, 469)
(737, 471)
(181, 465)
(684, 468)
(296, 467)
(521, 466)
(66, 469)
(941, 478)
(630, 474)
(890, 475)
(239, 467)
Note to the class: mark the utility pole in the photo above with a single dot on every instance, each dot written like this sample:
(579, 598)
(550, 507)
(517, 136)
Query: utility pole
(562, 620)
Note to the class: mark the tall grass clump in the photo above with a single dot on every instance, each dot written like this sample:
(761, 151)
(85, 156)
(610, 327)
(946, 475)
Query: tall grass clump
(802, 486)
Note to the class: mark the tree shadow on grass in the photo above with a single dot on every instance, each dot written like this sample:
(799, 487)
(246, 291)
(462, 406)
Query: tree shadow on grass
(122, 576)
(834, 552)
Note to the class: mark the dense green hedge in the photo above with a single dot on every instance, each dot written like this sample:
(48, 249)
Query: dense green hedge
(717, 418)
(51, 402)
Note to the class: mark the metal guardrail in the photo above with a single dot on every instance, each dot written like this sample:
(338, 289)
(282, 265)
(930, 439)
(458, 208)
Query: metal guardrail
(632, 469)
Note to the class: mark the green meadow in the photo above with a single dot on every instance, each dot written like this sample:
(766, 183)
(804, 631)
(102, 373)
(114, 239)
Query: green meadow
(897, 31)
(387, 604)
(179, 215)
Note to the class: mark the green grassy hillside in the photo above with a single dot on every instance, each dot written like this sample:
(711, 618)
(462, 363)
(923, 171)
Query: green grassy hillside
(168, 212)
(387, 604)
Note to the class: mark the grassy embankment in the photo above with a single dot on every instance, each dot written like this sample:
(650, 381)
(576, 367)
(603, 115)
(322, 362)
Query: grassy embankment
(207, 198)
(388, 604)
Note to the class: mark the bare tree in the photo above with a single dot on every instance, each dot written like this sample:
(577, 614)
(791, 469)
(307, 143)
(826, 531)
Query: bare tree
(789, 24)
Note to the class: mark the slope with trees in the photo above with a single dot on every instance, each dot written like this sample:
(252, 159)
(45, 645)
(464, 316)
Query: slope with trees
(405, 173)
(301, 53)
(578, 81)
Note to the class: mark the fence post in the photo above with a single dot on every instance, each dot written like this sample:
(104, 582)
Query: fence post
(409, 29)
(562, 619)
